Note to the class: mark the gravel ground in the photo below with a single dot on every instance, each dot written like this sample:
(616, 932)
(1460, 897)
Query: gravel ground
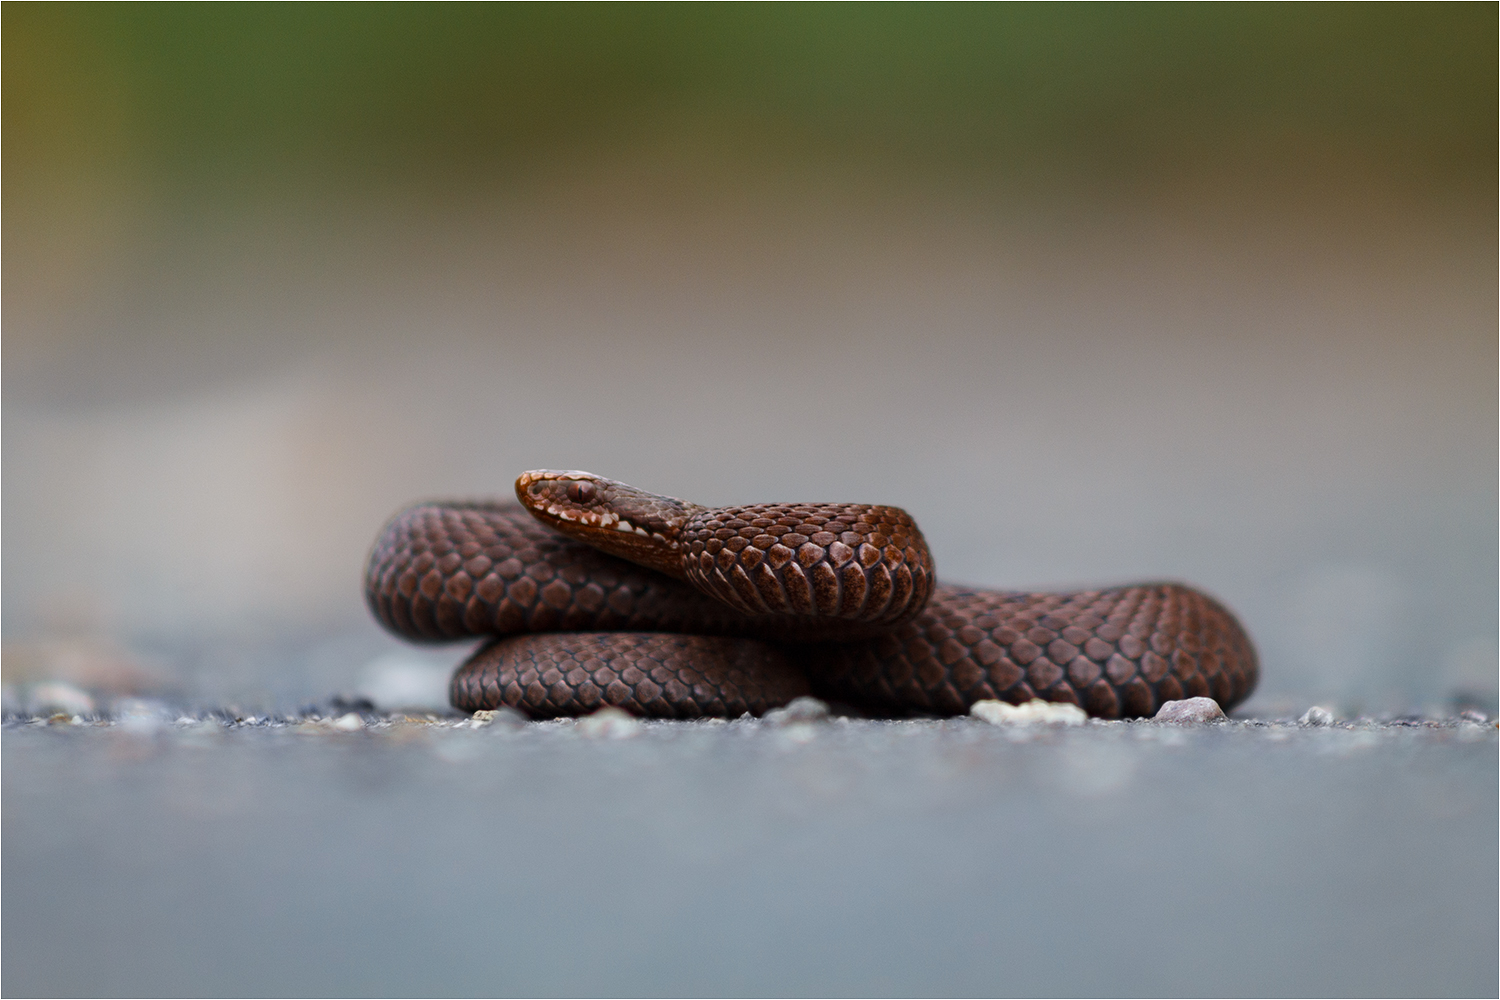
(151, 849)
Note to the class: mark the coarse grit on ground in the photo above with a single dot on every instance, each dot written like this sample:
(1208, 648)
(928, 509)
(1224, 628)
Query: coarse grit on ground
(334, 852)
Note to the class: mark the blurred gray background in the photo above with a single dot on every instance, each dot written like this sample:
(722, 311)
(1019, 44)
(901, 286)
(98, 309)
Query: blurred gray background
(1097, 294)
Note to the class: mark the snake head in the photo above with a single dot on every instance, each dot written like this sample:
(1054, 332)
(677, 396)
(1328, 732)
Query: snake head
(609, 515)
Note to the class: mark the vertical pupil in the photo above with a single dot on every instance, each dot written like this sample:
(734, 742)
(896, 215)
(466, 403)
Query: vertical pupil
(580, 492)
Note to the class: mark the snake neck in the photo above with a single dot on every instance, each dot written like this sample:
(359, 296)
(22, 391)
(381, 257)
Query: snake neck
(857, 562)
(612, 516)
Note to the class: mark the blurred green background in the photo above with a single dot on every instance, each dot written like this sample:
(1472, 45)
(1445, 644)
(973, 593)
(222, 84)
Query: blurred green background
(1180, 290)
(237, 101)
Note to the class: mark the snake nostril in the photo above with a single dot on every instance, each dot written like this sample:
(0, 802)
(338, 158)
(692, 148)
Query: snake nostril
(581, 492)
(536, 488)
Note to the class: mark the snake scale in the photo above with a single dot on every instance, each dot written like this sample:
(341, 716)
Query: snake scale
(596, 593)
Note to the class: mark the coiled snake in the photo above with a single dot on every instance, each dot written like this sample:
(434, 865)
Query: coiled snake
(599, 594)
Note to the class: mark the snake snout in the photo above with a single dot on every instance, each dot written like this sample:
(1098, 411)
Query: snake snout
(569, 496)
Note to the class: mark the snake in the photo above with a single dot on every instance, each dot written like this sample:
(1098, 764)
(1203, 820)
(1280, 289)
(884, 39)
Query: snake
(592, 593)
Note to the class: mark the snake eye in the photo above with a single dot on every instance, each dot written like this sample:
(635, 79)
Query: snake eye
(581, 492)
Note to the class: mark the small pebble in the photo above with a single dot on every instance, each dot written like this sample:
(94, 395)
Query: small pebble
(802, 709)
(608, 723)
(1316, 716)
(1000, 713)
(349, 723)
(1470, 715)
(1189, 711)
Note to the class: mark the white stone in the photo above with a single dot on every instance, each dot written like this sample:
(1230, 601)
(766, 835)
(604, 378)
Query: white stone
(349, 723)
(1316, 716)
(1036, 711)
(802, 709)
(1189, 711)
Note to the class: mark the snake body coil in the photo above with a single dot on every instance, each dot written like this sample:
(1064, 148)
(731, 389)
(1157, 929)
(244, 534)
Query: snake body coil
(717, 611)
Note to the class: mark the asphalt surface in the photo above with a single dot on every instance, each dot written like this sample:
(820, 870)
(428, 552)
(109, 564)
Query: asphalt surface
(345, 852)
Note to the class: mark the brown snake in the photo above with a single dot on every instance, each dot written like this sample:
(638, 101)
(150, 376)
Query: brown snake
(602, 594)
